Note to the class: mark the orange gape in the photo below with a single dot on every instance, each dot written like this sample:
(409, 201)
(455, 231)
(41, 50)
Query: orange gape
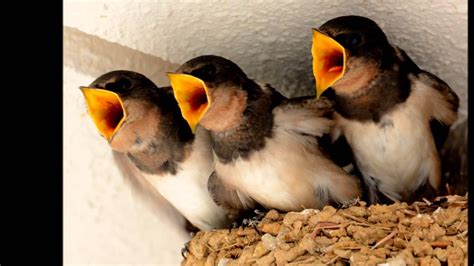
(106, 109)
(329, 61)
(192, 96)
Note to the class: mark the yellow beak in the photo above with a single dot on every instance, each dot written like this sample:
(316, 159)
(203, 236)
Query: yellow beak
(192, 96)
(106, 110)
(329, 61)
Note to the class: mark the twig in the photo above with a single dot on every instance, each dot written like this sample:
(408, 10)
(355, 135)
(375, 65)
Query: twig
(331, 227)
(304, 259)
(385, 239)
(427, 202)
(403, 233)
(362, 224)
(370, 225)
(352, 248)
(459, 225)
(226, 247)
(324, 225)
(332, 260)
(448, 188)
(208, 246)
(360, 220)
(416, 208)
(440, 244)
(408, 212)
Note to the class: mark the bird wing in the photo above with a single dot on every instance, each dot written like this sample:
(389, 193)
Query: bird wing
(444, 102)
(312, 118)
(304, 115)
(444, 107)
(234, 201)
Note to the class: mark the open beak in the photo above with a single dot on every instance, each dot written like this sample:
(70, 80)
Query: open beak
(192, 96)
(106, 109)
(329, 61)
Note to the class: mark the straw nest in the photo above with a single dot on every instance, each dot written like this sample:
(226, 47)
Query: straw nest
(423, 233)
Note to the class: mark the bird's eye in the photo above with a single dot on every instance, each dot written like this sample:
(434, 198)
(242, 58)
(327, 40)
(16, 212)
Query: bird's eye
(349, 40)
(205, 73)
(354, 40)
(118, 85)
(341, 39)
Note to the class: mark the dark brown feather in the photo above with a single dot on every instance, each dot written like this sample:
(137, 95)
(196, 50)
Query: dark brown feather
(230, 198)
(257, 123)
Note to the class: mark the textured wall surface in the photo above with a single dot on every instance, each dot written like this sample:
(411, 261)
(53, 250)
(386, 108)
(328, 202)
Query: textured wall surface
(271, 40)
(104, 219)
(104, 222)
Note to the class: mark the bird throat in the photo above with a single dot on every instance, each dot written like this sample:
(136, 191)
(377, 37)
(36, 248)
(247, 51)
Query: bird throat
(225, 114)
(159, 158)
(162, 151)
(249, 135)
(360, 74)
(371, 102)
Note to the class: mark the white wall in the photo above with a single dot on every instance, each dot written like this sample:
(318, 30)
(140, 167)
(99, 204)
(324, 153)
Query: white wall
(270, 40)
(104, 219)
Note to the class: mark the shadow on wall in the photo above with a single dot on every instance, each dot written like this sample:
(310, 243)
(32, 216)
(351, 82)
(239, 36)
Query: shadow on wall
(95, 56)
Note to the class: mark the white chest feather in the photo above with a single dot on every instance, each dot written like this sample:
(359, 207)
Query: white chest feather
(187, 190)
(286, 174)
(399, 151)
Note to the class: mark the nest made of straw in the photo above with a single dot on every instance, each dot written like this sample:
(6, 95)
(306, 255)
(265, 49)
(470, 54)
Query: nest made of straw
(423, 233)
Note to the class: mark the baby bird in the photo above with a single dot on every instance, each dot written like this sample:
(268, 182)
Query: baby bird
(394, 115)
(144, 123)
(265, 146)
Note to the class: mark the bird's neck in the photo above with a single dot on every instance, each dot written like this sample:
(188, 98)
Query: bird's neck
(249, 135)
(369, 103)
(169, 146)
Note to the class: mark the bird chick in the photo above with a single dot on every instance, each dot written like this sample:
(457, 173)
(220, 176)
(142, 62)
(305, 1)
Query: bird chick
(266, 146)
(143, 122)
(394, 115)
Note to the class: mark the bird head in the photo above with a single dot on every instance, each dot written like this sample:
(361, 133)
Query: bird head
(210, 91)
(123, 106)
(344, 47)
